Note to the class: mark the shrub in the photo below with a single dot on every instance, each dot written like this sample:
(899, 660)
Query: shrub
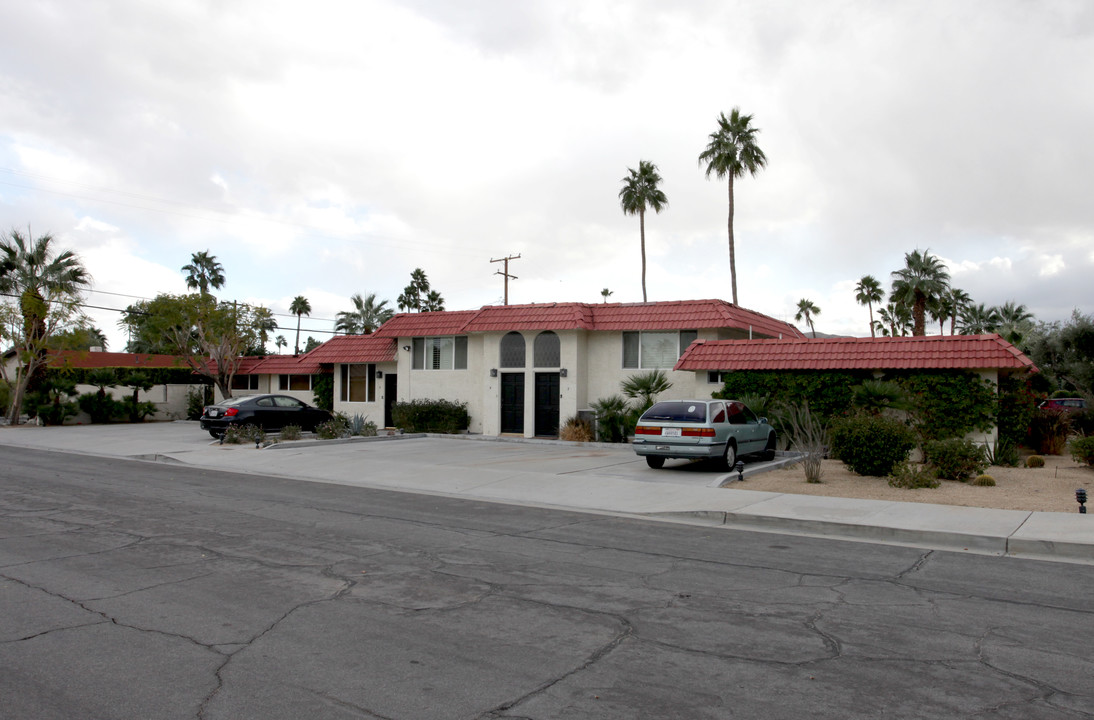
(1049, 430)
(241, 434)
(291, 432)
(432, 416)
(1082, 421)
(913, 476)
(1017, 404)
(983, 481)
(611, 419)
(948, 404)
(195, 403)
(828, 392)
(99, 406)
(322, 388)
(1082, 449)
(336, 427)
(871, 445)
(136, 411)
(576, 429)
(1035, 461)
(955, 459)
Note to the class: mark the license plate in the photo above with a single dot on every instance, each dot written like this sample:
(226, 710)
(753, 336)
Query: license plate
(214, 413)
(670, 432)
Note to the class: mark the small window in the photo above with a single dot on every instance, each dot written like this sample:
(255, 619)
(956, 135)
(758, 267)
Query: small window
(293, 382)
(718, 411)
(244, 382)
(440, 353)
(512, 351)
(660, 349)
(547, 352)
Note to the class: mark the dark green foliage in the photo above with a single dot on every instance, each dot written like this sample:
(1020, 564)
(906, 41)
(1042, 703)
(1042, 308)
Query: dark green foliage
(1049, 430)
(955, 459)
(828, 393)
(1082, 449)
(135, 410)
(949, 404)
(1082, 421)
(644, 387)
(611, 419)
(1017, 404)
(433, 416)
(5, 395)
(1003, 453)
(871, 445)
(876, 396)
(322, 387)
(101, 407)
(195, 403)
(913, 476)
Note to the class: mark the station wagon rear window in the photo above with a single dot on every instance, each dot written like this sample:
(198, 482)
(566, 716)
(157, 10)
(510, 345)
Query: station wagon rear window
(676, 412)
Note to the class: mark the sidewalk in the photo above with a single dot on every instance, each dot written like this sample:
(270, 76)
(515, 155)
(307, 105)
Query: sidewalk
(596, 478)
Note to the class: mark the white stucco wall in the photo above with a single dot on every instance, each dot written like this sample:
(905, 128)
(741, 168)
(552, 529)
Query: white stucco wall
(373, 411)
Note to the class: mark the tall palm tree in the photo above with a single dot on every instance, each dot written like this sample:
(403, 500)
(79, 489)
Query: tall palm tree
(978, 320)
(30, 271)
(366, 316)
(606, 293)
(730, 153)
(893, 320)
(411, 298)
(950, 305)
(640, 191)
(922, 279)
(280, 342)
(806, 309)
(299, 306)
(203, 272)
(867, 292)
(1014, 321)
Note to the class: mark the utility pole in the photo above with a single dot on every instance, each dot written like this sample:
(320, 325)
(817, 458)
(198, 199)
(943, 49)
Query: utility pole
(505, 273)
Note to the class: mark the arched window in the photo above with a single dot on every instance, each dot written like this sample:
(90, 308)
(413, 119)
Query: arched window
(512, 350)
(546, 352)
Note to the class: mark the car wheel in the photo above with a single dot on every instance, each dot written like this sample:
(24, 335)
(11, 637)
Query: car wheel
(769, 451)
(729, 459)
(655, 462)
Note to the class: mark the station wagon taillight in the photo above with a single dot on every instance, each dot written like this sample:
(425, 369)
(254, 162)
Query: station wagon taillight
(698, 432)
(647, 430)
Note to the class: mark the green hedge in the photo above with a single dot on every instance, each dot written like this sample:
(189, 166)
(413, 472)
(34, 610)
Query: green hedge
(435, 416)
(828, 393)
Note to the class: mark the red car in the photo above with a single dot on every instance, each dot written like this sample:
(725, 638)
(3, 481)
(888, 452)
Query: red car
(1070, 404)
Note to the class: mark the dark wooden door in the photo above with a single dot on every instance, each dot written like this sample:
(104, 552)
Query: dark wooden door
(512, 403)
(391, 387)
(547, 404)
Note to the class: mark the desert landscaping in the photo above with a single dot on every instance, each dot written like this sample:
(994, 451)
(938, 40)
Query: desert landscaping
(1050, 488)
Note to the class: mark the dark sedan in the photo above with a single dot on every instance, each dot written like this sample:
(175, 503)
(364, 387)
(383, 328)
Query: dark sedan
(270, 412)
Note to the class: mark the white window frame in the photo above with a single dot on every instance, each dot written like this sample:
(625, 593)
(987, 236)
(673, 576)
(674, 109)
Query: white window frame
(429, 347)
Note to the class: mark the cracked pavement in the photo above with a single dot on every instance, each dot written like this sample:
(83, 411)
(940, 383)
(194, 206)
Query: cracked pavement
(142, 590)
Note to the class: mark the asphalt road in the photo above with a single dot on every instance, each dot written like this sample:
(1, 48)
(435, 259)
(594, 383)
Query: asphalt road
(144, 590)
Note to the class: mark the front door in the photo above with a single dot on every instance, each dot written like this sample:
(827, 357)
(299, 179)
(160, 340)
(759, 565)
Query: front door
(547, 404)
(391, 386)
(512, 403)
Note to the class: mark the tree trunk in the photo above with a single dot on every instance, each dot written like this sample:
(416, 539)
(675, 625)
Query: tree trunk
(870, 307)
(919, 314)
(642, 228)
(297, 346)
(732, 249)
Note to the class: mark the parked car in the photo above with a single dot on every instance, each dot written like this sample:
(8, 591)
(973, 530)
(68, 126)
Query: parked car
(719, 429)
(270, 412)
(1070, 404)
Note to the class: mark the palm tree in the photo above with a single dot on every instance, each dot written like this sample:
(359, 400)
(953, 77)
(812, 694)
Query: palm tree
(978, 320)
(893, 320)
(204, 272)
(30, 271)
(644, 387)
(281, 342)
(730, 153)
(1014, 321)
(948, 306)
(411, 299)
(922, 279)
(640, 191)
(299, 306)
(867, 292)
(366, 316)
(606, 293)
(806, 309)
(433, 302)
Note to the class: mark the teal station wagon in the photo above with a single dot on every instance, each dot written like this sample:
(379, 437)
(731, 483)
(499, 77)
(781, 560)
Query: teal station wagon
(698, 429)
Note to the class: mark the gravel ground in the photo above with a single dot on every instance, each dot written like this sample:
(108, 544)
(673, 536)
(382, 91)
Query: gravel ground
(1050, 488)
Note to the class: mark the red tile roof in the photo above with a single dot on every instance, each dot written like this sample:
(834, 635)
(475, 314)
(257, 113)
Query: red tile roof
(280, 365)
(902, 353)
(425, 324)
(355, 349)
(90, 360)
(675, 315)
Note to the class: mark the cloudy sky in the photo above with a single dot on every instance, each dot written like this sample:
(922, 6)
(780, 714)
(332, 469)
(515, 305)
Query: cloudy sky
(330, 147)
